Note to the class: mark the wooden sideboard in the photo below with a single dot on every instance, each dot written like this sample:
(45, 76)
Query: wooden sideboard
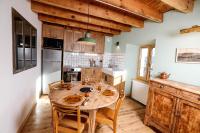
(173, 107)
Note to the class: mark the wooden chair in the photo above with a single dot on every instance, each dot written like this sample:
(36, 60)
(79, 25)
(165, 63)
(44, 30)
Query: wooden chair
(109, 116)
(54, 84)
(68, 119)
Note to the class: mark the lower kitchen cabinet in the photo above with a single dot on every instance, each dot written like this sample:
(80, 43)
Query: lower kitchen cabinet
(173, 109)
(91, 73)
(117, 82)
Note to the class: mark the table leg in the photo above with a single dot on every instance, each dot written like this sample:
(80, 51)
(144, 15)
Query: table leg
(92, 119)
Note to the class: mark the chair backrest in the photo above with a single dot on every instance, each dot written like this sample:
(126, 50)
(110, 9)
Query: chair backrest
(120, 100)
(60, 111)
(54, 84)
(118, 104)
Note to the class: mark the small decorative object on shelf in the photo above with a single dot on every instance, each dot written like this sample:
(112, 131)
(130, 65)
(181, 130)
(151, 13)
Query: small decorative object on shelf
(164, 75)
(194, 28)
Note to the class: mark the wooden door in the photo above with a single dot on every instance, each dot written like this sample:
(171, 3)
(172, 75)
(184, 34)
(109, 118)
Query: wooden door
(161, 109)
(68, 40)
(187, 117)
(77, 47)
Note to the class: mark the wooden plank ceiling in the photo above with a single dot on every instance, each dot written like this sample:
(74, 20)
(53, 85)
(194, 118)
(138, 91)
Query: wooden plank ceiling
(106, 16)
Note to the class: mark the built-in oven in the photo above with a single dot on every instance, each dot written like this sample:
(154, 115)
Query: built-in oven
(73, 74)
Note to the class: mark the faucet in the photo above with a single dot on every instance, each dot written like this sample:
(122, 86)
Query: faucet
(92, 62)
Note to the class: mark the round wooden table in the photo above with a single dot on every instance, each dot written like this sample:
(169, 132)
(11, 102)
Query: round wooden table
(96, 99)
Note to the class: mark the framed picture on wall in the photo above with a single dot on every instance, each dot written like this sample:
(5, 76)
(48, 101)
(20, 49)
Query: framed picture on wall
(188, 55)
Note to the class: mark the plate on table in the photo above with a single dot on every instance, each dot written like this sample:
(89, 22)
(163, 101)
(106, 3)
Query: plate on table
(108, 93)
(72, 99)
(86, 89)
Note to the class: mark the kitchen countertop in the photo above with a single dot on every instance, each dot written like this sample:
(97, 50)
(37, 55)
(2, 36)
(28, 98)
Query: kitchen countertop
(110, 71)
(179, 85)
(113, 72)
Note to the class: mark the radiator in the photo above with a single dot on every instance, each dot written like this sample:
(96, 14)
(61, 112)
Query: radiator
(139, 91)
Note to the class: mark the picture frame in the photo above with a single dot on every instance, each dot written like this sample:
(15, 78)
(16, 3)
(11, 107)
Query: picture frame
(188, 55)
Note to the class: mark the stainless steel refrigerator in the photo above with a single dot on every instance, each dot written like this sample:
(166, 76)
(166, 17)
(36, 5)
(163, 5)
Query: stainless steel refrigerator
(51, 67)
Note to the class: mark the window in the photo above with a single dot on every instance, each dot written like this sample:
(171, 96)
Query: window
(145, 64)
(24, 43)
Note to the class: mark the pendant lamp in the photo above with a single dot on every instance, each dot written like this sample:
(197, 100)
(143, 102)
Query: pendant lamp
(87, 39)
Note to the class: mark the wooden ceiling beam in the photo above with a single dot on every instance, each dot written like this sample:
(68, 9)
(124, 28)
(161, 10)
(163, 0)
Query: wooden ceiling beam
(81, 6)
(135, 7)
(58, 12)
(181, 5)
(74, 24)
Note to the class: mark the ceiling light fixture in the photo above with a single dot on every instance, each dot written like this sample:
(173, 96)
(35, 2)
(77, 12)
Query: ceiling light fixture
(87, 39)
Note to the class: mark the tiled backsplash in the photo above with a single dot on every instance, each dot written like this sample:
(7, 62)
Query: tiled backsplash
(82, 59)
(115, 60)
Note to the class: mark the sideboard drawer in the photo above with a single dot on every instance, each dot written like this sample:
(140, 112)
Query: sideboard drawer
(164, 88)
(190, 97)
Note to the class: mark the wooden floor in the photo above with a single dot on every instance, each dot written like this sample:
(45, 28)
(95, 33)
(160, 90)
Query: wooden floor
(130, 119)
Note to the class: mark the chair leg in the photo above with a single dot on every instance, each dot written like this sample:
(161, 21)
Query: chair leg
(114, 127)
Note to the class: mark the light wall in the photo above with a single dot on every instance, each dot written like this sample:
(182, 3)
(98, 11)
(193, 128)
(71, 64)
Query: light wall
(18, 91)
(108, 44)
(167, 38)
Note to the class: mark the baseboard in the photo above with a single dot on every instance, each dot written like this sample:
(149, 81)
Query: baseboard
(26, 119)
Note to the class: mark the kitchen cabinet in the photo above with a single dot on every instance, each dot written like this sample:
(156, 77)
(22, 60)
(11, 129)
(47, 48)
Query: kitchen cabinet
(118, 82)
(100, 43)
(52, 31)
(91, 73)
(173, 107)
(109, 79)
(71, 45)
(68, 40)
(76, 46)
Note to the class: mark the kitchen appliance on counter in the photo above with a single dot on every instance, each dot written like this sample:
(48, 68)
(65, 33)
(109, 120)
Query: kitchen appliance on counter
(52, 54)
(71, 74)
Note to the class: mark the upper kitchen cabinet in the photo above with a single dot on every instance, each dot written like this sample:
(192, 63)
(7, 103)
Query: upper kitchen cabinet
(52, 31)
(68, 40)
(76, 46)
(100, 43)
(71, 36)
